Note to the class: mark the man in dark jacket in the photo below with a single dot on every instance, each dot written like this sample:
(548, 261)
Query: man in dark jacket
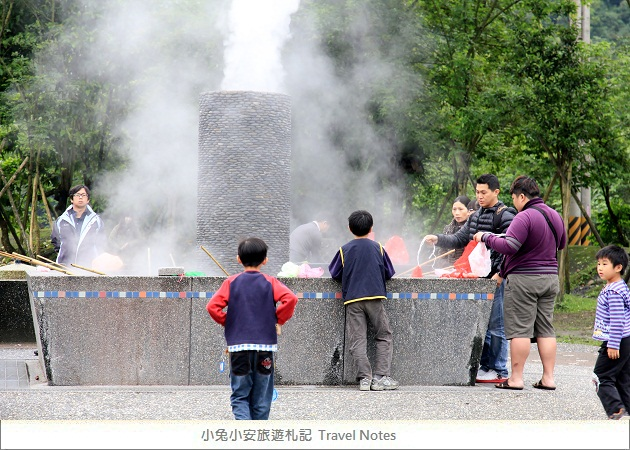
(495, 217)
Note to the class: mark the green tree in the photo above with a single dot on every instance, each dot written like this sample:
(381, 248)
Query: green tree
(56, 114)
(563, 93)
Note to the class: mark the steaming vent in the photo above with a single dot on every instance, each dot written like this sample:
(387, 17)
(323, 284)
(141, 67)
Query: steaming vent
(244, 177)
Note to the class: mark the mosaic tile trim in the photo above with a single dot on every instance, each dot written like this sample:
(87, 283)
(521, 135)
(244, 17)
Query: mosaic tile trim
(300, 295)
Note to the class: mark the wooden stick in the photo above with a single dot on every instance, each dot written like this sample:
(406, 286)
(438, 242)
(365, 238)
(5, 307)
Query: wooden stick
(51, 261)
(217, 262)
(89, 270)
(33, 261)
(38, 263)
(437, 257)
(424, 263)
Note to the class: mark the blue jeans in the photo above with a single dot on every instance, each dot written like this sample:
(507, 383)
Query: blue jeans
(495, 347)
(251, 379)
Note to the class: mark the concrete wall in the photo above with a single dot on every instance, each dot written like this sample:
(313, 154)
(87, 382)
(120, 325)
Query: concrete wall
(155, 330)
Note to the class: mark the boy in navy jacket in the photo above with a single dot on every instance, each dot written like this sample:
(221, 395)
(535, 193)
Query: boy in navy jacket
(363, 267)
(257, 302)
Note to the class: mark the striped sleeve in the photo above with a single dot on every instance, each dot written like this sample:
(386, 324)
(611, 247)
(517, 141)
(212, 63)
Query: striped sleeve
(617, 310)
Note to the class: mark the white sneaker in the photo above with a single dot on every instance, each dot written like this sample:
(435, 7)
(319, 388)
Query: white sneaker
(364, 384)
(482, 373)
(384, 383)
(490, 376)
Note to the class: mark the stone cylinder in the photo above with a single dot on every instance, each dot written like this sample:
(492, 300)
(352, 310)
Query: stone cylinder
(244, 177)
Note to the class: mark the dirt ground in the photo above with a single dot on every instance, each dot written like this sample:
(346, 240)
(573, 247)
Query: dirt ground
(575, 327)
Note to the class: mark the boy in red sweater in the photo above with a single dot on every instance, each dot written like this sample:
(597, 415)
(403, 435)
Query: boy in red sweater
(257, 302)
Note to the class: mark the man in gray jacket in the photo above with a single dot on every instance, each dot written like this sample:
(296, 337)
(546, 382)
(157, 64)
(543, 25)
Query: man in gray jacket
(305, 242)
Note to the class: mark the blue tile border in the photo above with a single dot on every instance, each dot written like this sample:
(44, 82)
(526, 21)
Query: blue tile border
(300, 295)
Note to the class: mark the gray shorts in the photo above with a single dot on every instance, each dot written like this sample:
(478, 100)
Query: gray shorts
(528, 305)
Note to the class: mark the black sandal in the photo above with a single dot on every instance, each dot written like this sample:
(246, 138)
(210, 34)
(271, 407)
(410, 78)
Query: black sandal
(506, 385)
(540, 385)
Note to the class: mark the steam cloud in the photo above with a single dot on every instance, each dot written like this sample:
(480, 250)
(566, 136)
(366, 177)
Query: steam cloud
(163, 55)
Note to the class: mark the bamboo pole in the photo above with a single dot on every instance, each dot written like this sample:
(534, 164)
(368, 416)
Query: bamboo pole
(33, 224)
(89, 270)
(15, 210)
(51, 261)
(424, 263)
(217, 262)
(33, 261)
(45, 201)
(12, 179)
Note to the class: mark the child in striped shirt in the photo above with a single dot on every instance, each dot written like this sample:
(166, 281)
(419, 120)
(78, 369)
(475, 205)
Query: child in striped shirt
(612, 326)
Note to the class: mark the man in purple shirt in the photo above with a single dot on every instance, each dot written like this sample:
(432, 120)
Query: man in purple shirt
(530, 268)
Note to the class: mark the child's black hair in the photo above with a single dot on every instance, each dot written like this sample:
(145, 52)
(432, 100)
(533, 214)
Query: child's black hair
(615, 254)
(252, 251)
(360, 222)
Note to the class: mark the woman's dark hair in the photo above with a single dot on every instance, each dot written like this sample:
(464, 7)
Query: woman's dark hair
(360, 222)
(526, 186)
(463, 199)
(252, 251)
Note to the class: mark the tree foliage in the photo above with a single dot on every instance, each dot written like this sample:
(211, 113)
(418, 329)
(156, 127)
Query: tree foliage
(503, 87)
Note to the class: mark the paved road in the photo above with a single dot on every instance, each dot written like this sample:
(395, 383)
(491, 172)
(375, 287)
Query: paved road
(574, 401)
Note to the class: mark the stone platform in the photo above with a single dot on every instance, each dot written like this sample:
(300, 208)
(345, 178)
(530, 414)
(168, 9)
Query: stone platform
(98, 330)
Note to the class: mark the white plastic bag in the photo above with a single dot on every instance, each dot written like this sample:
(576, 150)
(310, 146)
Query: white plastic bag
(479, 260)
(289, 270)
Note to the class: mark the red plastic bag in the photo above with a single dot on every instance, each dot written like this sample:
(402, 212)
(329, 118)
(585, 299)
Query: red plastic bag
(397, 251)
(462, 264)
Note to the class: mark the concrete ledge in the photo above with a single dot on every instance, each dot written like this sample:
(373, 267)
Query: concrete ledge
(88, 333)
(155, 330)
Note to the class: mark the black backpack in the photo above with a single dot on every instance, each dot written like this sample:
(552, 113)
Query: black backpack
(496, 219)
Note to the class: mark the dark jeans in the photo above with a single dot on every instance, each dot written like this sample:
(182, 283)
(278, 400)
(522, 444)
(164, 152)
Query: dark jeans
(495, 348)
(251, 379)
(614, 378)
(357, 316)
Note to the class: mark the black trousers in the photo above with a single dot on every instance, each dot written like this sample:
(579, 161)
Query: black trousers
(614, 378)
